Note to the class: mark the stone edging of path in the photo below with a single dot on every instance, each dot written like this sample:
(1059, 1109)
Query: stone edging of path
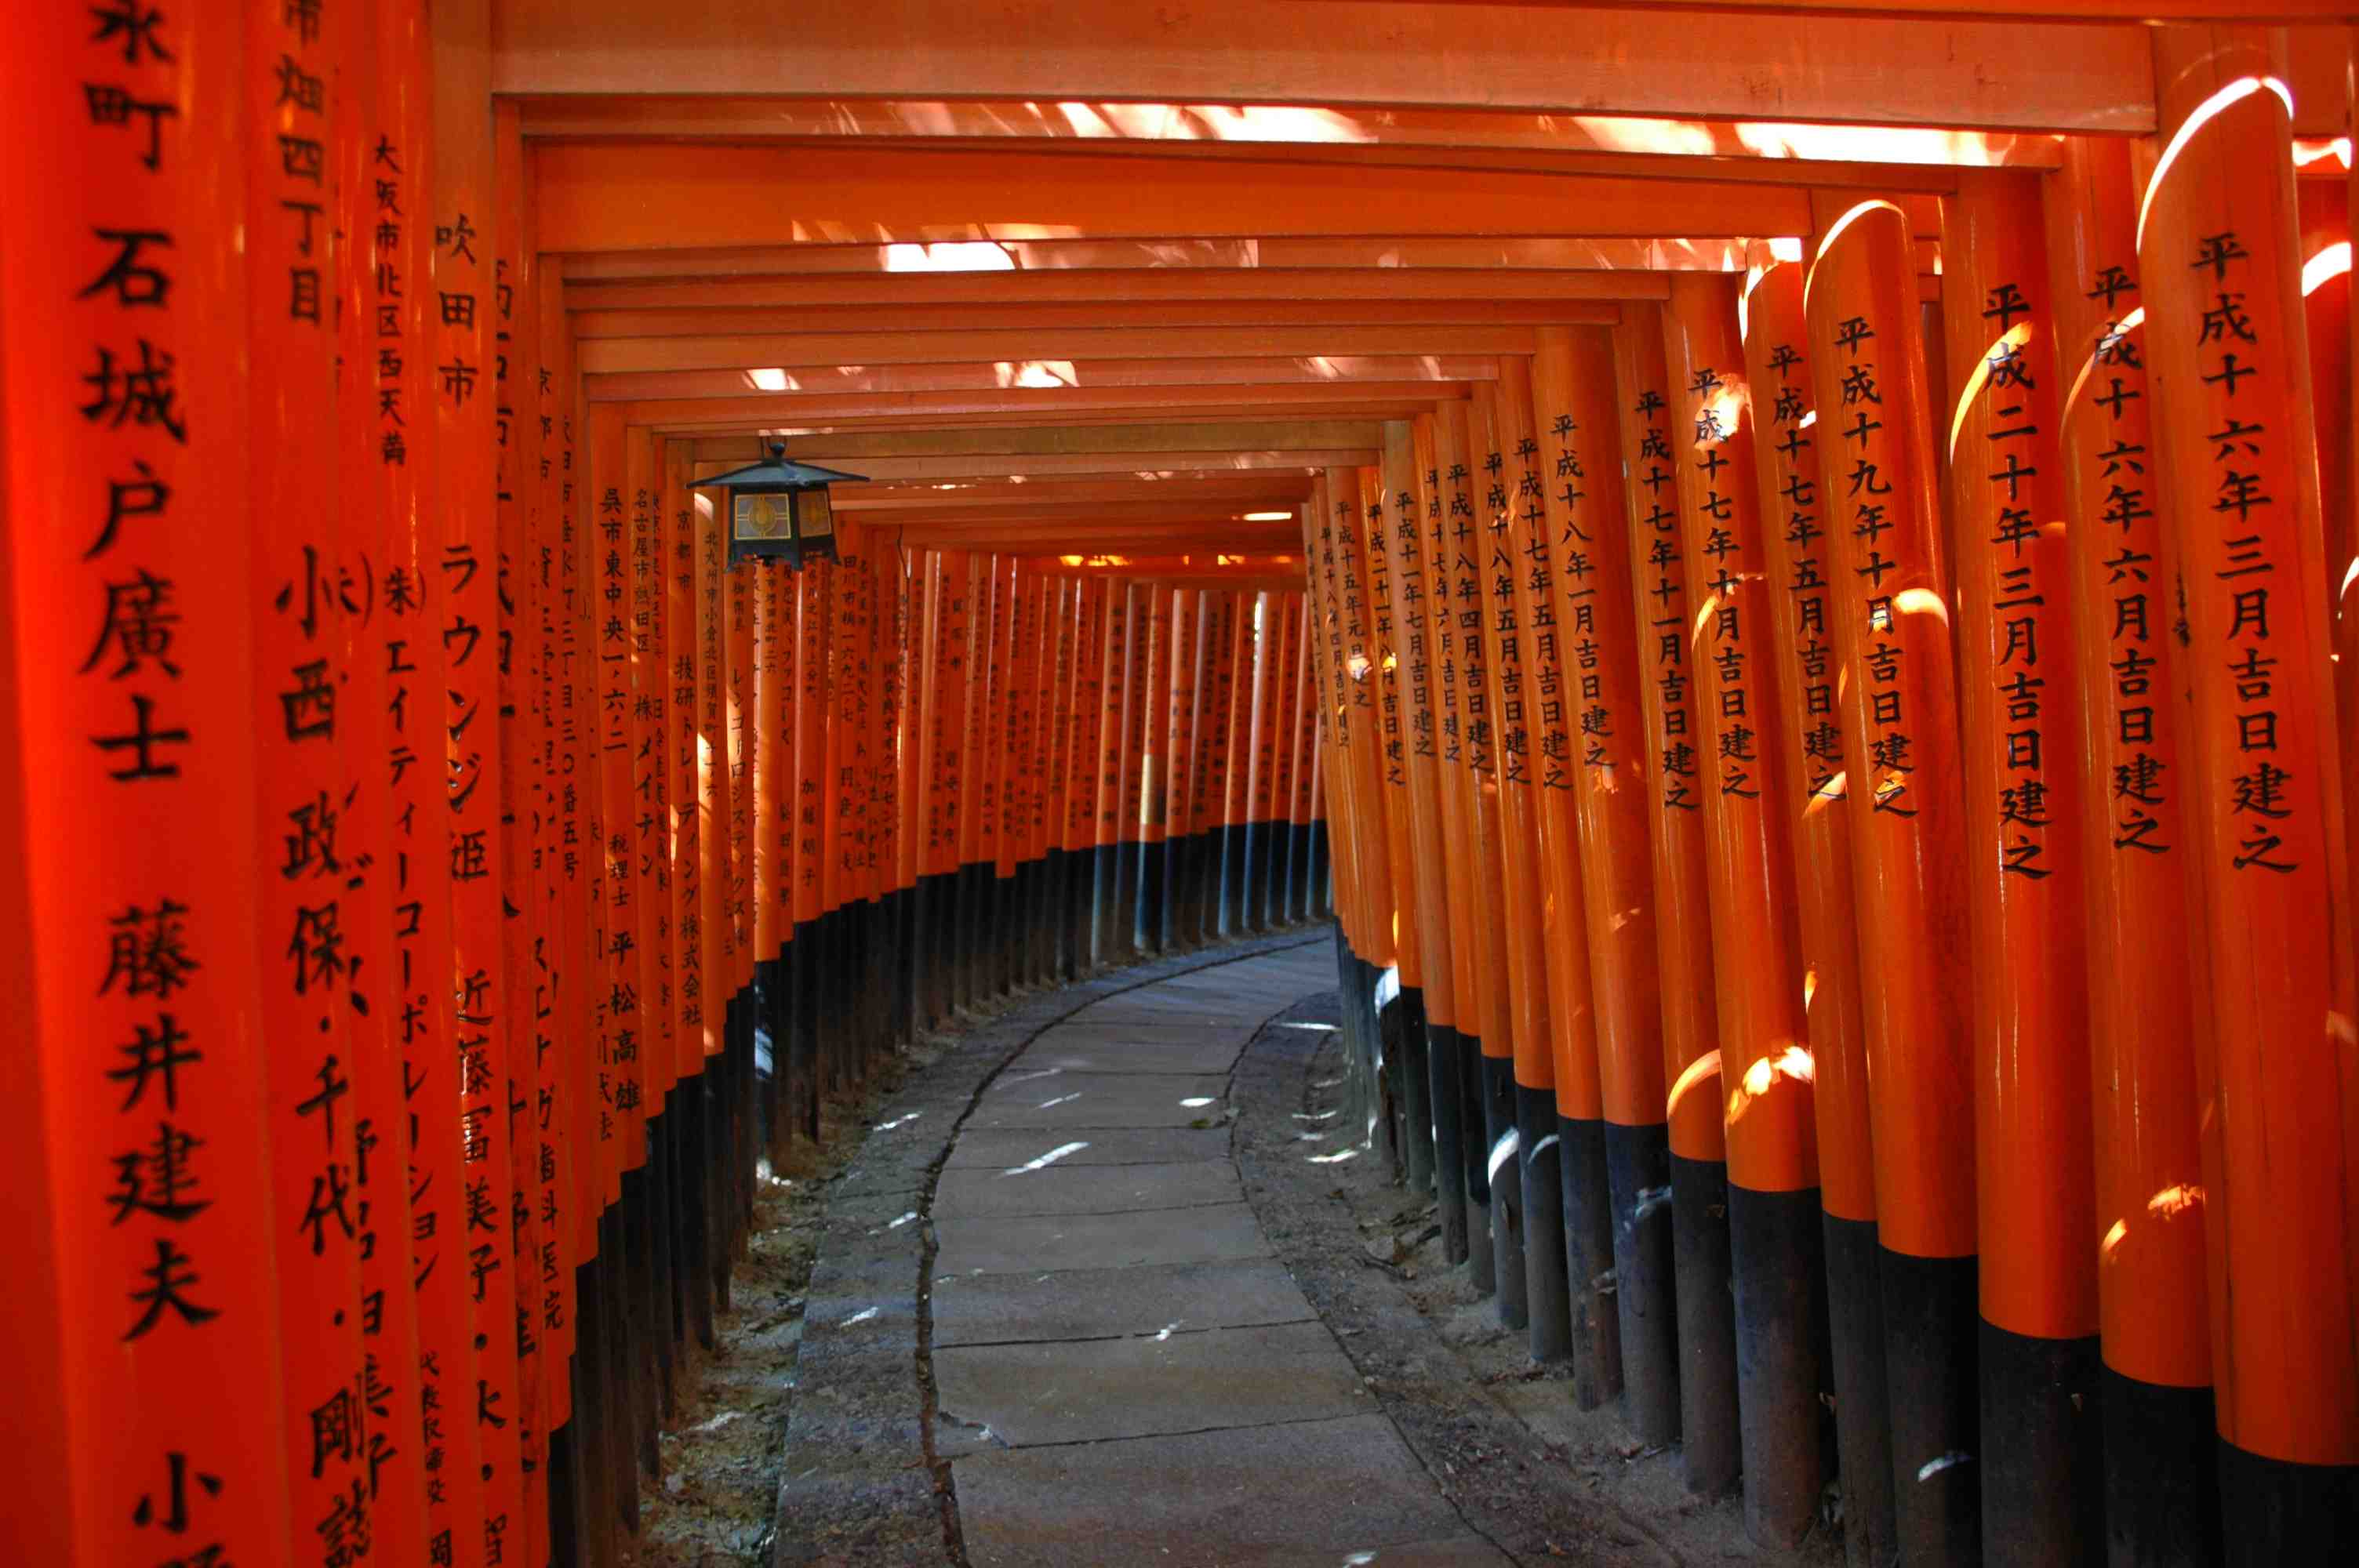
(860, 1482)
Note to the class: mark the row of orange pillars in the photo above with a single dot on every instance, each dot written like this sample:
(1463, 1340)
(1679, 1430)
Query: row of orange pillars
(415, 829)
(1841, 845)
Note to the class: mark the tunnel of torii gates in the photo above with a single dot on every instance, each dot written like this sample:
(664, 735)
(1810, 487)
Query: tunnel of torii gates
(1785, 563)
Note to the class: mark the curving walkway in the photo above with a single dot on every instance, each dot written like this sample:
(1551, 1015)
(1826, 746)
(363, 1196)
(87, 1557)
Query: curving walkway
(1131, 1376)
(1110, 1367)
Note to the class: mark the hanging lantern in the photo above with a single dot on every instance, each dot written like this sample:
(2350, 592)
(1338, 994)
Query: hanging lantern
(780, 509)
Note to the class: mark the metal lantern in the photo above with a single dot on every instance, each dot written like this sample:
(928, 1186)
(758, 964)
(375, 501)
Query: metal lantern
(780, 509)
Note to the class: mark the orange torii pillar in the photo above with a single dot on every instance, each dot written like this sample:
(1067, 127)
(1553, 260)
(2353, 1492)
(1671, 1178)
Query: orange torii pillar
(1477, 919)
(1403, 1003)
(2263, 808)
(1467, 449)
(1237, 769)
(650, 845)
(1213, 700)
(1117, 656)
(1083, 758)
(1545, 720)
(1482, 1003)
(1400, 527)
(2041, 1469)
(298, 923)
(1286, 775)
(910, 661)
(972, 779)
(1327, 537)
(1775, 1263)
(141, 1339)
(1893, 634)
(1143, 809)
(1641, 1173)
(940, 718)
(1174, 730)
(1812, 702)
(1384, 931)
(1261, 733)
(2162, 1491)
(1573, 409)
(1304, 874)
(681, 1039)
(1672, 585)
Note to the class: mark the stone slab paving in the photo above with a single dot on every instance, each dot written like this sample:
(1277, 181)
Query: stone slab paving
(1109, 1366)
(1121, 1376)
(1293, 1492)
(1103, 1303)
(1086, 1189)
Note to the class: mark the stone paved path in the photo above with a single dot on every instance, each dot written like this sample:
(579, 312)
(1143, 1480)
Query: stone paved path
(1133, 1377)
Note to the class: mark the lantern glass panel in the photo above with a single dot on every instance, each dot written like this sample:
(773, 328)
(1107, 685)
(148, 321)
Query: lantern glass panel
(759, 517)
(813, 513)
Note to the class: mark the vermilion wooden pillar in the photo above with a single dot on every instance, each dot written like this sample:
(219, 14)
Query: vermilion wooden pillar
(2262, 802)
(1404, 1015)
(1082, 766)
(1639, 1155)
(1471, 816)
(1121, 596)
(1673, 583)
(1574, 407)
(2041, 1465)
(468, 621)
(1400, 527)
(1546, 738)
(1894, 634)
(1813, 700)
(1776, 1265)
(1470, 440)
(2161, 1499)
(142, 1327)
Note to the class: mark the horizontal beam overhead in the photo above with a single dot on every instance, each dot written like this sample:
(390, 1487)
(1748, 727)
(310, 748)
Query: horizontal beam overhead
(1684, 148)
(675, 321)
(1052, 288)
(1989, 74)
(1026, 405)
(798, 381)
(851, 351)
(1096, 466)
(1067, 441)
(1454, 257)
(609, 196)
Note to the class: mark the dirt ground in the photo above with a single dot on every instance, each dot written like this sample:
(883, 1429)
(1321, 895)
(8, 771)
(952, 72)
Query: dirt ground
(716, 1506)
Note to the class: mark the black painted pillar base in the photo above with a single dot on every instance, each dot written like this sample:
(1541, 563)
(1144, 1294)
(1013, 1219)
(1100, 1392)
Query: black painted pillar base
(1778, 1261)
(1481, 1252)
(1855, 1360)
(1589, 1262)
(1404, 1032)
(1707, 1421)
(1154, 914)
(2042, 1448)
(1442, 1049)
(1546, 1290)
(776, 1078)
(1233, 878)
(1125, 897)
(1638, 1184)
(2277, 1511)
(2163, 1473)
(1503, 1177)
(1320, 906)
(1932, 1331)
(1253, 861)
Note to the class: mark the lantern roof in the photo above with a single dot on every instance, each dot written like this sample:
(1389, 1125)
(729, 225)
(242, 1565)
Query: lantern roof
(779, 472)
